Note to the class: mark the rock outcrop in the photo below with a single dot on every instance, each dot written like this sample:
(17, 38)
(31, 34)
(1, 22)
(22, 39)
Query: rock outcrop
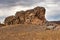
(33, 16)
(11, 20)
(20, 16)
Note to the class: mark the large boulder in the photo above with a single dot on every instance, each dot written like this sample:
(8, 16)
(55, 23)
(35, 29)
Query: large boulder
(11, 20)
(29, 15)
(35, 16)
(20, 15)
(40, 12)
(39, 15)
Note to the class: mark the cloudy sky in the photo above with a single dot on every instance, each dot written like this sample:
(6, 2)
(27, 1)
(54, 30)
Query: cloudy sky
(9, 7)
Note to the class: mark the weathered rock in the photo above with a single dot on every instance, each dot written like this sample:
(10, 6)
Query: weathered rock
(50, 26)
(33, 16)
(40, 14)
(29, 15)
(20, 16)
(10, 20)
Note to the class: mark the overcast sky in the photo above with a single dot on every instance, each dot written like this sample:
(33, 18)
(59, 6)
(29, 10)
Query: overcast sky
(9, 7)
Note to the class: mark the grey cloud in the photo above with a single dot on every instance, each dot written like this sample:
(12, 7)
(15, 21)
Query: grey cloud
(57, 0)
(6, 6)
(8, 3)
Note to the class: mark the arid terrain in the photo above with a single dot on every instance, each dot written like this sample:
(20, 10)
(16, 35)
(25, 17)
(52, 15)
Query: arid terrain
(29, 25)
(27, 32)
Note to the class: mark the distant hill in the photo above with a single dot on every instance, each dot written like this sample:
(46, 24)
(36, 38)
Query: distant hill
(57, 22)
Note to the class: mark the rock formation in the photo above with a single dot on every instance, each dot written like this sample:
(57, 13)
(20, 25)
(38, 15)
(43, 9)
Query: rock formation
(20, 16)
(33, 16)
(11, 20)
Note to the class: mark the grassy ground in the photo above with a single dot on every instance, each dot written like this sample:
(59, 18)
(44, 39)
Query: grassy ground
(27, 32)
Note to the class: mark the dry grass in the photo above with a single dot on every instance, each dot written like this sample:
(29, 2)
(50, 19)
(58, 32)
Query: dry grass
(27, 32)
